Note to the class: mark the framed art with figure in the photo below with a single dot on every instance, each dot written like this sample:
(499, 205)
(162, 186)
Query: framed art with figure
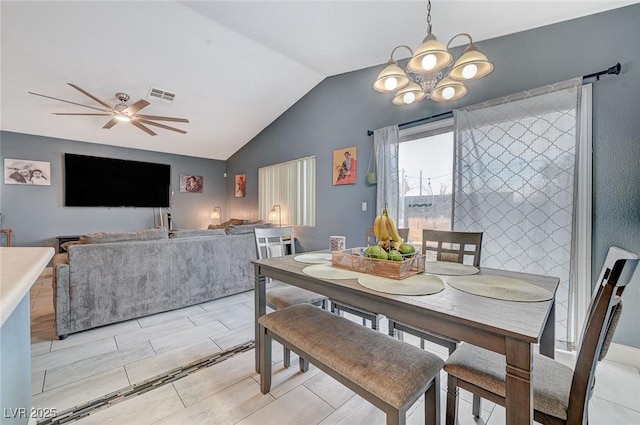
(241, 185)
(25, 171)
(190, 183)
(345, 166)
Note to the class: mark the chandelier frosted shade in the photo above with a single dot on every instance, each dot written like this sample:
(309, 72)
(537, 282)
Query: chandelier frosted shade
(472, 65)
(430, 56)
(391, 78)
(412, 92)
(447, 90)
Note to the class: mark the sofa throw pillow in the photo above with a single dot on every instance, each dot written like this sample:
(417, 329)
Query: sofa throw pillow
(66, 245)
(192, 233)
(156, 233)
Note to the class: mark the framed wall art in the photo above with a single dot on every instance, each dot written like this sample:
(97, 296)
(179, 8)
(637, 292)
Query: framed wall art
(241, 185)
(26, 171)
(191, 183)
(345, 166)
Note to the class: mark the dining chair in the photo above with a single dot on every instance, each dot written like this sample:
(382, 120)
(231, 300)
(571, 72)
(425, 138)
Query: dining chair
(560, 394)
(448, 246)
(276, 242)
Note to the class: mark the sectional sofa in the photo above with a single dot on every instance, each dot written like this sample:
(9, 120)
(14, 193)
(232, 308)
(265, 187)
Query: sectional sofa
(111, 277)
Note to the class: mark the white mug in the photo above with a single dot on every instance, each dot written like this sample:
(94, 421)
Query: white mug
(337, 243)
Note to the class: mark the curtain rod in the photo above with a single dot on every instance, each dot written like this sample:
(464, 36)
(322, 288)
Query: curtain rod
(615, 69)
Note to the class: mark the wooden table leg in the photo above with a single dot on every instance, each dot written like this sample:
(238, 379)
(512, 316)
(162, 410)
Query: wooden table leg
(548, 337)
(260, 310)
(519, 392)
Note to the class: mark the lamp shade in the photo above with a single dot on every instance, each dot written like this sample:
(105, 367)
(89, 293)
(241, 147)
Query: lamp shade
(411, 93)
(447, 90)
(391, 78)
(430, 56)
(472, 65)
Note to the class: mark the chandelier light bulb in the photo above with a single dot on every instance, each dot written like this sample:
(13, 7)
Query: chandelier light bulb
(391, 83)
(409, 97)
(448, 92)
(470, 71)
(429, 62)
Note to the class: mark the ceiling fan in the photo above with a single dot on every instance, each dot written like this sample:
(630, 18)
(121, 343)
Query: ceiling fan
(122, 112)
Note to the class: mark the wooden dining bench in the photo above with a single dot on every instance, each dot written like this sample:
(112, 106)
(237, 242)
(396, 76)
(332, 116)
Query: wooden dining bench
(389, 373)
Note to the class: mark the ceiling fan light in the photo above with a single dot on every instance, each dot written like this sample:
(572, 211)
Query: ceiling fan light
(471, 60)
(391, 78)
(123, 118)
(448, 90)
(410, 94)
(430, 56)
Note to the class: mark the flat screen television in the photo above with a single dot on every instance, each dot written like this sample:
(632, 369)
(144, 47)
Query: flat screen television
(91, 181)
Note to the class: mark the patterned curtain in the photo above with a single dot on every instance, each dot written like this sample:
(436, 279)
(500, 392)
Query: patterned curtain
(514, 179)
(385, 145)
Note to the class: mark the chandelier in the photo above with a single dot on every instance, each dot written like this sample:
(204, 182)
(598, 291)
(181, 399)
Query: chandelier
(423, 76)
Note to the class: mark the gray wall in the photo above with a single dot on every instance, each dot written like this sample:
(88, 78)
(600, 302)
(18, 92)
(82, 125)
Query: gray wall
(37, 214)
(339, 111)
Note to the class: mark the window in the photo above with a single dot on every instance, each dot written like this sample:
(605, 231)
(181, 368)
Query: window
(425, 164)
(292, 186)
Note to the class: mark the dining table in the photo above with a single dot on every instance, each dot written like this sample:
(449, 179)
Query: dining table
(511, 328)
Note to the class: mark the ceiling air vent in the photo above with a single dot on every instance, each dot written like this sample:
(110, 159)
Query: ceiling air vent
(159, 95)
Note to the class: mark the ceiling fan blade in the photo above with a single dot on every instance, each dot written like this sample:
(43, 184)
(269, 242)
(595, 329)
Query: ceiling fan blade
(91, 96)
(65, 113)
(136, 107)
(157, 118)
(111, 123)
(143, 128)
(166, 127)
(73, 103)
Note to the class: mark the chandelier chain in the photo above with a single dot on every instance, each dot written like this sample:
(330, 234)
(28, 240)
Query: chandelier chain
(429, 17)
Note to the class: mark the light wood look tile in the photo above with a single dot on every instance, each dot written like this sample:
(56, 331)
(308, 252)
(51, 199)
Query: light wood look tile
(328, 389)
(144, 409)
(37, 382)
(165, 343)
(71, 355)
(91, 335)
(167, 316)
(150, 367)
(142, 335)
(85, 368)
(211, 380)
(297, 407)
(225, 407)
(79, 392)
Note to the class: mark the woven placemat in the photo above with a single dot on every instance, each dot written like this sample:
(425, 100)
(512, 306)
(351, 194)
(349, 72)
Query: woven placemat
(327, 271)
(313, 258)
(449, 268)
(501, 288)
(419, 284)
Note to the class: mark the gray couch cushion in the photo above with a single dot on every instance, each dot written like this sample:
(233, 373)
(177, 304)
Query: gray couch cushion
(157, 233)
(245, 228)
(191, 233)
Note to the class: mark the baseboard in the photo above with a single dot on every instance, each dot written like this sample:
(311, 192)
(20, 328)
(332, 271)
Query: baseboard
(623, 354)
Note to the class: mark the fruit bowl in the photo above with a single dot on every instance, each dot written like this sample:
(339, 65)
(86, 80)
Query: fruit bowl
(353, 259)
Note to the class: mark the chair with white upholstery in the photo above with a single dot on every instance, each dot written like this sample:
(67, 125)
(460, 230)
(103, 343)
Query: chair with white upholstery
(560, 394)
(276, 242)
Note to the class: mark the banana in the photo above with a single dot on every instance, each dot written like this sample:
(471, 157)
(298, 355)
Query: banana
(384, 229)
(376, 226)
(393, 230)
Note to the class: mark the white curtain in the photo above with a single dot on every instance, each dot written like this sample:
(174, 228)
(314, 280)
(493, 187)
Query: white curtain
(514, 180)
(385, 147)
(292, 185)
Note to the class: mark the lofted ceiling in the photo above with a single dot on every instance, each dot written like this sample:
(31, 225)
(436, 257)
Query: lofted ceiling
(235, 66)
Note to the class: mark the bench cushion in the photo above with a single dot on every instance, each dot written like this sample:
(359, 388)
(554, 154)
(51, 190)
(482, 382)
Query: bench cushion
(391, 370)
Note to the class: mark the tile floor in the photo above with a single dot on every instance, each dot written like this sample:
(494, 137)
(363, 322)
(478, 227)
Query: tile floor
(93, 363)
